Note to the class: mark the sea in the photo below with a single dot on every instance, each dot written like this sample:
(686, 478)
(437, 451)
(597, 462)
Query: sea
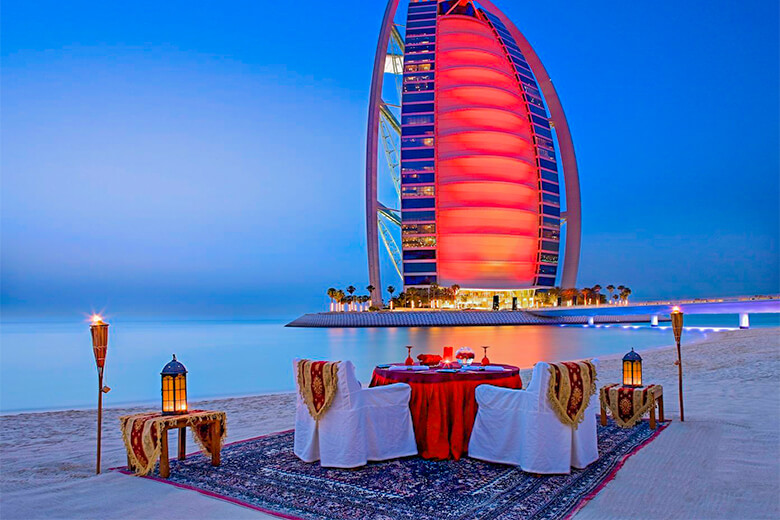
(50, 366)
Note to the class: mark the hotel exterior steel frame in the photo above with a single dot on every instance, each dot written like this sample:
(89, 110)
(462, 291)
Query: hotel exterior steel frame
(478, 172)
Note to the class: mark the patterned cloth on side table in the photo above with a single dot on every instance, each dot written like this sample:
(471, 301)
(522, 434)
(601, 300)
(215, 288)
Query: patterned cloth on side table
(143, 441)
(628, 404)
(443, 404)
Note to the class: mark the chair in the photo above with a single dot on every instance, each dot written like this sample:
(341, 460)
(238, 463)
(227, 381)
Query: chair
(519, 427)
(361, 424)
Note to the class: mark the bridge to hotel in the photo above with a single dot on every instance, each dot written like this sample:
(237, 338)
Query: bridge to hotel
(741, 306)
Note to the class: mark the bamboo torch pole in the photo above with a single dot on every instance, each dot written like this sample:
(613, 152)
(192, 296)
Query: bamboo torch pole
(99, 330)
(677, 327)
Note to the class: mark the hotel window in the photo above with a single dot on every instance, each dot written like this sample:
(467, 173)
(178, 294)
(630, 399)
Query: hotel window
(421, 23)
(417, 87)
(417, 203)
(417, 241)
(418, 229)
(417, 120)
(550, 165)
(416, 178)
(411, 216)
(543, 131)
(417, 191)
(548, 269)
(429, 47)
(549, 176)
(421, 153)
(540, 121)
(416, 108)
(551, 222)
(547, 186)
(422, 267)
(421, 39)
(409, 166)
(419, 280)
(421, 32)
(538, 110)
(543, 141)
(410, 78)
(417, 130)
(419, 67)
(550, 246)
(414, 97)
(546, 282)
(552, 234)
(417, 142)
(548, 258)
(552, 199)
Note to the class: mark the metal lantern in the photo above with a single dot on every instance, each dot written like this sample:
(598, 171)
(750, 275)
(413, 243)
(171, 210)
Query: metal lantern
(174, 388)
(632, 369)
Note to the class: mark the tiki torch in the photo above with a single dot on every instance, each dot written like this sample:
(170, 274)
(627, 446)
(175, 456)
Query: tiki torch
(677, 327)
(99, 330)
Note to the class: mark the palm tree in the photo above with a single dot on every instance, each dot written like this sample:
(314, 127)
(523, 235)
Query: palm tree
(391, 290)
(587, 294)
(615, 298)
(553, 293)
(370, 288)
(340, 298)
(570, 294)
(597, 293)
(625, 293)
(351, 289)
(611, 289)
(331, 295)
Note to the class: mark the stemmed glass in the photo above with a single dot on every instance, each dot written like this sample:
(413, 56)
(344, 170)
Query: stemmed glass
(485, 360)
(409, 360)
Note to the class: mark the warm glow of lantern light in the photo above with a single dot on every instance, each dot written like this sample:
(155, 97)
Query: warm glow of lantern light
(97, 319)
(675, 309)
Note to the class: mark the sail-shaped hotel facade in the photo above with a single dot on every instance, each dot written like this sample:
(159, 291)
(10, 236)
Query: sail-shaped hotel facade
(483, 162)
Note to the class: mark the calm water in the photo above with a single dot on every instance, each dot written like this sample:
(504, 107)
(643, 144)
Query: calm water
(50, 365)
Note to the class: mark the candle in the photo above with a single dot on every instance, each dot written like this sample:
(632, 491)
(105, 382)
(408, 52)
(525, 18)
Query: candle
(447, 357)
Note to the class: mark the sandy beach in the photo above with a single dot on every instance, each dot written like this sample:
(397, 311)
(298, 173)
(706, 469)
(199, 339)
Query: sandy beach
(722, 462)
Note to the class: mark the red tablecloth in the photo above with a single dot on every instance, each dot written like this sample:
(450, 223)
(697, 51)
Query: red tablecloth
(443, 405)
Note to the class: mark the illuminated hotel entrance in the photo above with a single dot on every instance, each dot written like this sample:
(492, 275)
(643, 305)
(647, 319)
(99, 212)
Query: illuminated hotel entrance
(483, 298)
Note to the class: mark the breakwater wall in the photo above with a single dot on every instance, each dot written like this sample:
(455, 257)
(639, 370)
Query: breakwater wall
(451, 319)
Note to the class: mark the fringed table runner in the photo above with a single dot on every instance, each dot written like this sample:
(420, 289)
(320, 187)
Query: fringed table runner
(143, 439)
(317, 384)
(572, 383)
(628, 404)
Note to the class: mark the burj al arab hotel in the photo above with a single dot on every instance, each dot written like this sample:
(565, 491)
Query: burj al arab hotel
(482, 189)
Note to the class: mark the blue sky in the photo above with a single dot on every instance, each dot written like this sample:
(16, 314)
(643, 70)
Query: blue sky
(206, 159)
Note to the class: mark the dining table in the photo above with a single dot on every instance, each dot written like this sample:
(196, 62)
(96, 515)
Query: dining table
(443, 405)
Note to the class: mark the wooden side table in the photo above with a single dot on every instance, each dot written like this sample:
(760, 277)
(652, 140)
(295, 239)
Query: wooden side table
(208, 428)
(181, 425)
(627, 405)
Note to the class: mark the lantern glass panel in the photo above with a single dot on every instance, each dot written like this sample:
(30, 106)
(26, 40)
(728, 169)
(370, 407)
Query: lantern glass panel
(637, 373)
(181, 393)
(167, 394)
(627, 373)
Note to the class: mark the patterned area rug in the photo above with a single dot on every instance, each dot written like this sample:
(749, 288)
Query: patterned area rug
(264, 474)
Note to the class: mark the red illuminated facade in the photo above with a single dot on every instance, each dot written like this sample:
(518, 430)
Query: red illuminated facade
(481, 164)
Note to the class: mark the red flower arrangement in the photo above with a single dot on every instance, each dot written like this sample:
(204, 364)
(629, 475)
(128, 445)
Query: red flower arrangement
(429, 359)
(465, 355)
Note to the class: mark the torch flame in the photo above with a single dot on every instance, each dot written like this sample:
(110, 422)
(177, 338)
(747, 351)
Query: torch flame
(675, 309)
(97, 318)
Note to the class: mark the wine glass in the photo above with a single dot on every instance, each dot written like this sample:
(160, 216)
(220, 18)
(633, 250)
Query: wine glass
(409, 361)
(485, 360)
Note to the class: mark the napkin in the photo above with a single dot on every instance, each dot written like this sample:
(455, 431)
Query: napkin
(408, 367)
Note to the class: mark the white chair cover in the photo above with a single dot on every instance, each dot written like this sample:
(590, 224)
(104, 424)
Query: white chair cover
(519, 427)
(361, 424)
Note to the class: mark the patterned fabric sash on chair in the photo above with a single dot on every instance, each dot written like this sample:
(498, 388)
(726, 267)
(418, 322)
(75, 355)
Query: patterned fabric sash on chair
(572, 383)
(317, 383)
(627, 404)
